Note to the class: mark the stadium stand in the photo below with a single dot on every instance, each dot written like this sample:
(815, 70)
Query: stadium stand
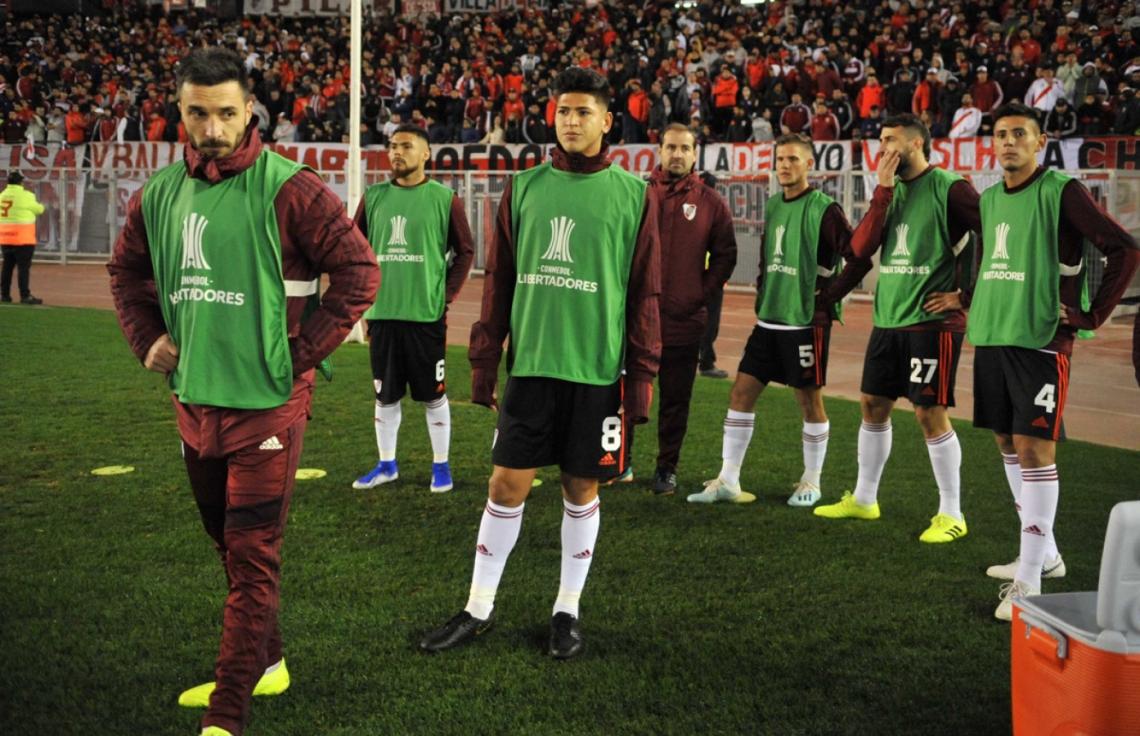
(735, 72)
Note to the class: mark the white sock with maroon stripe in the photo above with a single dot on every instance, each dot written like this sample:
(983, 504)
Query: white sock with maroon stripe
(815, 436)
(438, 415)
(388, 418)
(738, 427)
(1040, 489)
(579, 534)
(498, 533)
(1013, 477)
(874, 449)
(946, 460)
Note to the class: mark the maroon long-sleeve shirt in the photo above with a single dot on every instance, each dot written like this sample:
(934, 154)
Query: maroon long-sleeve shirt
(1083, 219)
(643, 322)
(694, 223)
(834, 239)
(316, 237)
(459, 241)
(962, 216)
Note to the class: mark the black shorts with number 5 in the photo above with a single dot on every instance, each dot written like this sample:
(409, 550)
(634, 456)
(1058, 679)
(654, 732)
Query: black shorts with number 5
(408, 354)
(918, 365)
(795, 358)
(548, 421)
(1020, 391)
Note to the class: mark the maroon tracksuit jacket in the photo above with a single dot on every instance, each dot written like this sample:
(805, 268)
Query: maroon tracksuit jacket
(694, 222)
(241, 463)
(695, 226)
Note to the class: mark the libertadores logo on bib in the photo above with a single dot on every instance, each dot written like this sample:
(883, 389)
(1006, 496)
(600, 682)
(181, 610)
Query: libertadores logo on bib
(399, 227)
(901, 250)
(193, 227)
(1001, 236)
(559, 248)
(780, 241)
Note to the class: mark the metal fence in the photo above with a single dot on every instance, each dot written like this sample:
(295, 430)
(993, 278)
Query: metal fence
(85, 211)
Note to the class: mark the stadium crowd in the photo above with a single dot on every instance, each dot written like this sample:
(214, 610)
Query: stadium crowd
(829, 69)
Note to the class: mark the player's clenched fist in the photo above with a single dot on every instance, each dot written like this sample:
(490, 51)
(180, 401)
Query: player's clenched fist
(162, 356)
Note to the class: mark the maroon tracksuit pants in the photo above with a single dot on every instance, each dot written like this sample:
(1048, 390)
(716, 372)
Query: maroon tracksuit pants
(243, 498)
(675, 380)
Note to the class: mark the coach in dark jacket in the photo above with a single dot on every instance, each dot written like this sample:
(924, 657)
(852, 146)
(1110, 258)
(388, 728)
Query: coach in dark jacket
(698, 253)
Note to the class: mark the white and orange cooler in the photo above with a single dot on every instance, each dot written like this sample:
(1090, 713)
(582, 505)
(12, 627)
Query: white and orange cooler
(1076, 656)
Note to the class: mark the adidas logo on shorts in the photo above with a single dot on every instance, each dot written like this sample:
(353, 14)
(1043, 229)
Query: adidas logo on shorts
(271, 444)
(1041, 422)
(607, 459)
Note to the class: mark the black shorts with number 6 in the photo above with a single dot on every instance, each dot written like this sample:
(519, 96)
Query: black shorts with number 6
(918, 365)
(1020, 391)
(408, 354)
(548, 421)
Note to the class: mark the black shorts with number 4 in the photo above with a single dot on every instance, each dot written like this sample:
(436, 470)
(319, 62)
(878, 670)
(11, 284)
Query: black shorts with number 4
(407, 354)
(796, 358)
(576, 426)
(918, 365)
(1020, 391)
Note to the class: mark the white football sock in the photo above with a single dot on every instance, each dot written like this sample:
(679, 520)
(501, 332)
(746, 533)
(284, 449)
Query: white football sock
(388, 418)
(1013, 477)
(738, 427)
(1040, 489)
(815, 436)
(874, 449)
(946, 460)
(438, 415)
(498, 532)
(579, 535)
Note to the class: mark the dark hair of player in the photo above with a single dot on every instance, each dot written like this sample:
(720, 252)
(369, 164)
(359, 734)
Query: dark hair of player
(1018, 110)
(585, 81)
(212, 66)
(914, 125)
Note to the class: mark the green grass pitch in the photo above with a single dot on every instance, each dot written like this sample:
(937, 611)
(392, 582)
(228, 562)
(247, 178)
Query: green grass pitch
(725, 620)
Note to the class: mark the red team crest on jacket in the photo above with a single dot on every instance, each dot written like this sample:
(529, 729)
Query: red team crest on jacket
(689, 210)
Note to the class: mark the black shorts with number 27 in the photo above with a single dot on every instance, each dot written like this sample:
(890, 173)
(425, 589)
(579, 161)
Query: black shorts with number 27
(920, 365)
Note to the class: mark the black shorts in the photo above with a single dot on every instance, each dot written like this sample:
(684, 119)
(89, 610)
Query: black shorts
(407, 353)
(918, 365)
(796, 358)
(1020, 391)
(576, 426)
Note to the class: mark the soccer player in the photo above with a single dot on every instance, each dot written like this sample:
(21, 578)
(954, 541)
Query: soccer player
(698, 253)
(1024, 312)
(220, 257)
(419, 232)
(573, 276)
(798, 295)
(921, 221)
